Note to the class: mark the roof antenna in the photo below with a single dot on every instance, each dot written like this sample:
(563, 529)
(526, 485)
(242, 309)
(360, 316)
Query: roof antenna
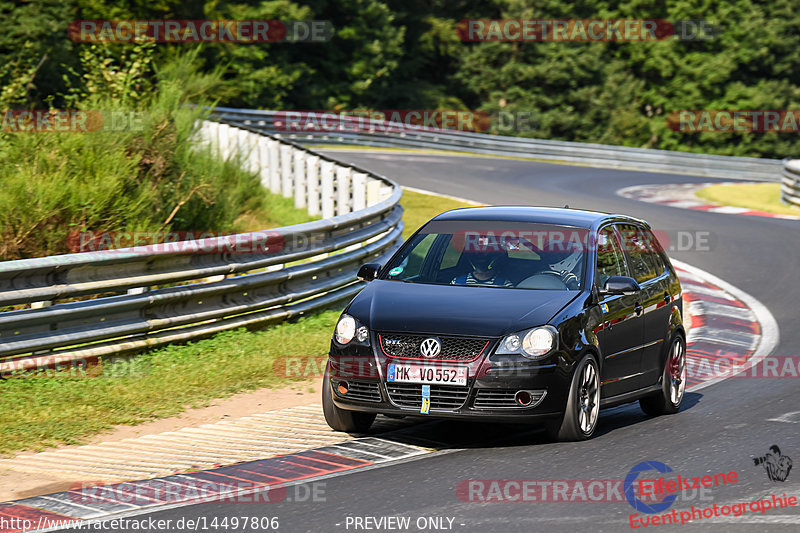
(566, 206)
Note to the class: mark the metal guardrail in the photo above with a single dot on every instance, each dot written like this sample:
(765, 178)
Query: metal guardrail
(790, 183)
(597, 155)
(285, 272)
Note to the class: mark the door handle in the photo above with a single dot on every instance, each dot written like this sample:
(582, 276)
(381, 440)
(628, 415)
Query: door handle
(638, 309)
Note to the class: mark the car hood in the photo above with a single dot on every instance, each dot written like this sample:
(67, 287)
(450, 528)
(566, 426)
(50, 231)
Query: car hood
(455, 310)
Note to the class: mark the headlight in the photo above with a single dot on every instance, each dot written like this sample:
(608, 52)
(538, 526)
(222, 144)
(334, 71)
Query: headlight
(538, 342)
(348, 328)
(534, 343)
(345, 329)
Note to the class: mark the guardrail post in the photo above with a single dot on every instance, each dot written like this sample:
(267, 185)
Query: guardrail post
(343, 190)
(253, 153)
(327, 189)
(263, 161)
(242, 152)
(274, 167)
(225, 141)
(312, 179)
(300, 179)
(219, 139)
(373, 192)
(286, 171)
(359, 191)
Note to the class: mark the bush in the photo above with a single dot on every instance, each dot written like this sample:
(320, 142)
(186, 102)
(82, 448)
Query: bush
(58, 184)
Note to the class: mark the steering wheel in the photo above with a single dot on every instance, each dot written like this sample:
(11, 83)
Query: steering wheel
(567, 278)
(548, 279)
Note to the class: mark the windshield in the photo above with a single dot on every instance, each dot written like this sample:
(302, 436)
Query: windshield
(493, 254)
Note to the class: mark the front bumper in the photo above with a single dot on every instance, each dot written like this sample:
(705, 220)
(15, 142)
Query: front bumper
(488, 395)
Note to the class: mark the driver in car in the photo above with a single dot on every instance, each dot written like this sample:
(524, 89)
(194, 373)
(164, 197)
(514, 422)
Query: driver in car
(482, 273)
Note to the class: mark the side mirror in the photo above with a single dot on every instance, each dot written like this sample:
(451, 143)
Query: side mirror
(369, 271)
(619, 285)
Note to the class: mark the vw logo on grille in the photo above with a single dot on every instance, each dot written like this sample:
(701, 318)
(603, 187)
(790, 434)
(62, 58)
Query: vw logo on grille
(430, 347)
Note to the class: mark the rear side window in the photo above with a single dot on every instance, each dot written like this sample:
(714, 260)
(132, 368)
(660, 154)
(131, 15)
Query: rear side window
(610, 259)
(642, 252)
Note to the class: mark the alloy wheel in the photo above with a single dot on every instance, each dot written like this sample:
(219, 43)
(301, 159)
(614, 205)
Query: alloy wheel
(677, 372)
(588, 399)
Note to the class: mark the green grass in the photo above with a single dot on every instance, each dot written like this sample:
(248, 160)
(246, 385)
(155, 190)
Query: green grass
(43, 411)
(760, 196)
(419, 208)
(275, 211)
(38, 412)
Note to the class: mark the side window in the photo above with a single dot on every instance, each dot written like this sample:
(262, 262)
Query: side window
(610, 259)
(411, 265)
(642, 253)
(655, 251)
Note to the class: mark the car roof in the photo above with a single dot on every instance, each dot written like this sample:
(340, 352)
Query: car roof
(543, 215)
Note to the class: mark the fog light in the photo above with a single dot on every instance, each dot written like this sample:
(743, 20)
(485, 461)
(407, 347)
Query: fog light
(523, 398)
(343, 387)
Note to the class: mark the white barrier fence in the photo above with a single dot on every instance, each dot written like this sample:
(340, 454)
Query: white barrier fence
(324, 188)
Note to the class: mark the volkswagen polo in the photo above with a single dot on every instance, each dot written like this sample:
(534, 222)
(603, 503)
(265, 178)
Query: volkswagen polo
(520, 314)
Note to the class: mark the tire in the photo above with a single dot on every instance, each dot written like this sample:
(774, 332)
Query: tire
(583, 404)
(673, 382)
(342, 419)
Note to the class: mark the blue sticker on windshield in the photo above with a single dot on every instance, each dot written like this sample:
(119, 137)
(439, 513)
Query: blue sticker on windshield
(426, 400)
(605, 308)
(395, 271)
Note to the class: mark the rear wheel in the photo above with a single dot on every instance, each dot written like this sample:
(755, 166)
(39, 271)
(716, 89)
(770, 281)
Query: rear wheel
(583, 404)
(342, 419)
(673, 382)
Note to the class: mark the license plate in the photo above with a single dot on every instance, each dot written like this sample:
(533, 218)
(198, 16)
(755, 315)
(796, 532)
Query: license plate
(446, 375)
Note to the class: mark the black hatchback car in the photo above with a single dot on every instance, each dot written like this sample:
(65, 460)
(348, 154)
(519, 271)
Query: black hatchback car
(512, 314)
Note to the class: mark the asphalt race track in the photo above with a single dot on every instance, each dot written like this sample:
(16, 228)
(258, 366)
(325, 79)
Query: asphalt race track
(721, 428)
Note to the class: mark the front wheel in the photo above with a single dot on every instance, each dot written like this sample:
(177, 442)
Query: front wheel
(342, 419)
(673, 382)
(583, 404)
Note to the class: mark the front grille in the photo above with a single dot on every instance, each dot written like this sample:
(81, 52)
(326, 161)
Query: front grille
(453, 348)
(447, 397)
(504, 399)
(364, 391)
